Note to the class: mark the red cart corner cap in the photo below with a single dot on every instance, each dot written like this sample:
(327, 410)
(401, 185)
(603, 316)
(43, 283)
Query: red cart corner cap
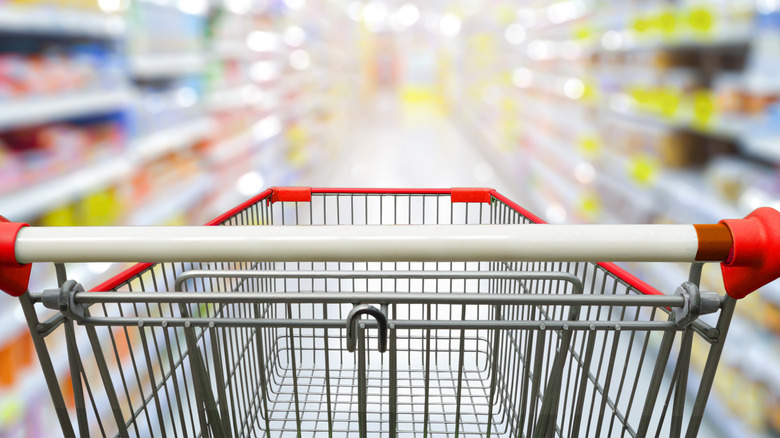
(291, 194)
(755, 256)
(14, 278)
(464, 194)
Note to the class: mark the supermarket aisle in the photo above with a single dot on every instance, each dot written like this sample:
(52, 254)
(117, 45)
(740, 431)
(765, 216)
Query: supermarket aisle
(393, 144)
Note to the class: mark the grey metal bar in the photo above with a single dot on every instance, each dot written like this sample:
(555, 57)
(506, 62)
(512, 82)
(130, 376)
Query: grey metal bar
(461, 358)
(327, 373)
(421, 324)
(393, 396)
(150, 371)
(353, 275)
(426, 408)
(75, 376)
(113, 400)
(224, 374)
(195, 370)
(219, 374)
(683, 362)
(205, 400)
(655, 381)
(91, 398)
(493, 373)
(384, 298)
(552, 392)
(549, 409)
(694, 274)
(630, 349)
(708, 375)
(537, 377)
(361, 378)
(526, 378)
(608, 381)
(46, 366)
(52, 323)
(707, 332)
(667, 402)
(293, 363)
(261, 363)
(176, 389)
(61, 272)
(635, 385)
(583, 383)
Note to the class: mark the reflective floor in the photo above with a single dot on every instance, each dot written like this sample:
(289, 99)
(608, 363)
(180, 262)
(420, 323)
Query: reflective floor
(396, 144)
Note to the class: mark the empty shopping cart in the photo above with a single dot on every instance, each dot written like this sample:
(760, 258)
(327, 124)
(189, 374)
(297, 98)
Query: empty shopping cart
(411, 313)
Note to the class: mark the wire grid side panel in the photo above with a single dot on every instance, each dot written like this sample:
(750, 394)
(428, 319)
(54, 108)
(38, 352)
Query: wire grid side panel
(162, 390)
(607, 372)
(501, 213)
(618, 376)
(146, 373)
(149, 367)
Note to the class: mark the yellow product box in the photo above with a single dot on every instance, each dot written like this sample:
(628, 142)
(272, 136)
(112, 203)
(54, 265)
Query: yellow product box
(589, 206)
(665, 23)
(643, 169)
(704, 108)
(64, 216)
(100, 208)
(699, 21)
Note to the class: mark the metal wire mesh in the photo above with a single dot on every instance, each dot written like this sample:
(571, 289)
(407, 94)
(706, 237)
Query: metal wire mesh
(207, 366)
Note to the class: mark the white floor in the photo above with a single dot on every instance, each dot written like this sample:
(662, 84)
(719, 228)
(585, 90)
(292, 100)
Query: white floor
(392, 145)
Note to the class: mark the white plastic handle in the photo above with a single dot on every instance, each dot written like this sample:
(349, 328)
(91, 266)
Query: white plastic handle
(359, 243)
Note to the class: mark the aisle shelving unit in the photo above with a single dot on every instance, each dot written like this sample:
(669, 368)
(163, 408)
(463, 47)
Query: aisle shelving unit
(31, 202)
(67, 22)
(177, 137)
(155, 66)
(42, 110)
(189, 116)
(639, 111)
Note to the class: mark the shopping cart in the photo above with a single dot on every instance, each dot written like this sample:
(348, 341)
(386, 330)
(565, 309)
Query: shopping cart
(411, 313)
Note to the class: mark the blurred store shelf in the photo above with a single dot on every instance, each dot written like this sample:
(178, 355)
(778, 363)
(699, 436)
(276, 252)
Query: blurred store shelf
(45, 109)
(766, 147)
(53, 20)
(232, 49)
(160, 65)
(171, 139)
(236, 146)
(27, 203)
(171, 201)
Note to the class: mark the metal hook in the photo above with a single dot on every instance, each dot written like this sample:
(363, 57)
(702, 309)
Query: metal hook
(352, 322)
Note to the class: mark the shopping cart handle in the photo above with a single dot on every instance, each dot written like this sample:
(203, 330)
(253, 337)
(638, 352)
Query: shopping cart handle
(755, 255)
(748, 248)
